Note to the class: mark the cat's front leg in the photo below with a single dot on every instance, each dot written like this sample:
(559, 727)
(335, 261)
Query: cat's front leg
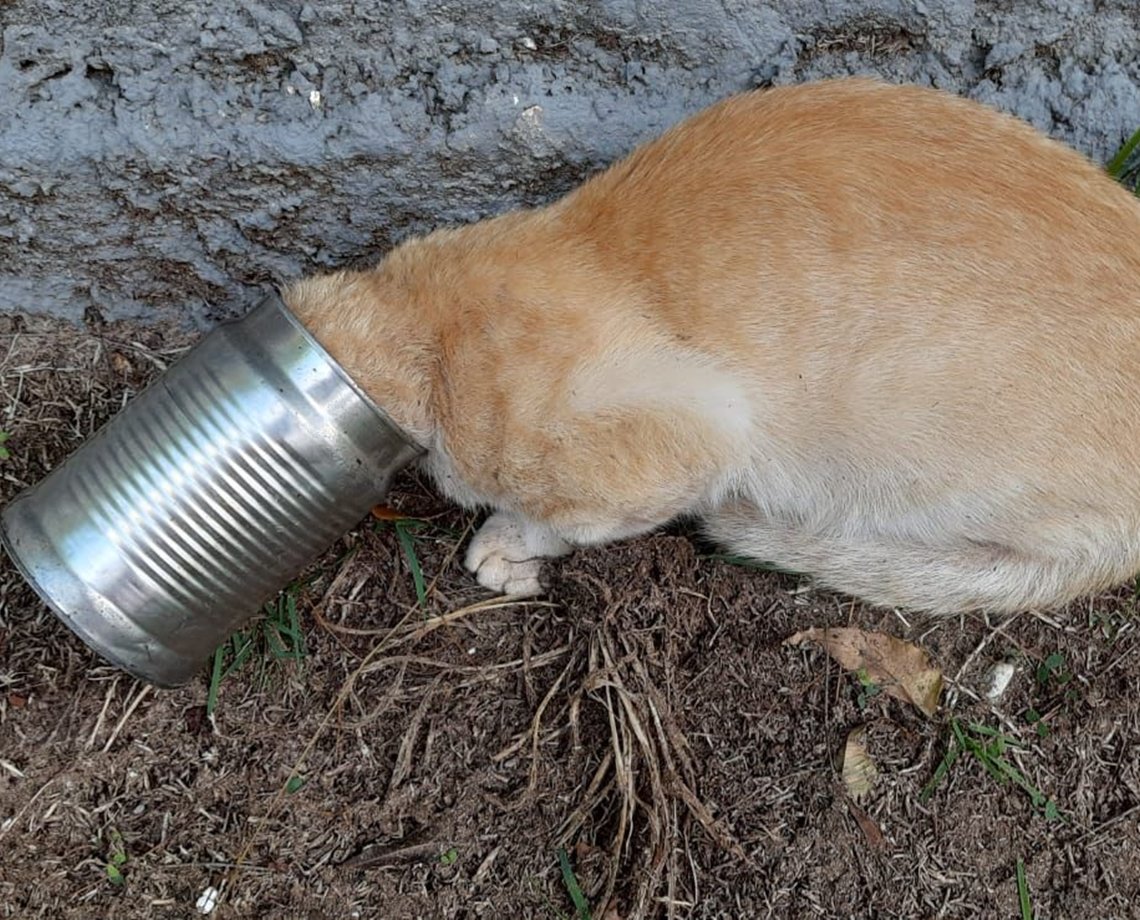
(506, 554)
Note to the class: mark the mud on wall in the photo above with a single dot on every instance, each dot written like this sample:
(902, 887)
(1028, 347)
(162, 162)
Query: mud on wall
(172, 159)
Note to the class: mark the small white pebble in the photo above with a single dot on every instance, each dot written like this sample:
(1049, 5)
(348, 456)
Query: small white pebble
(290, 89)
(315, 98)
(529, 43)
(997, 680)
(208, 900)
(471, 651)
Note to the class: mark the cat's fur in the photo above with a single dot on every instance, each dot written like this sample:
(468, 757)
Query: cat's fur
(881, 335)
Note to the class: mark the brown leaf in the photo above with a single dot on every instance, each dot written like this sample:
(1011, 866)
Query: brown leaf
(384, 513)
(121, 364)
(16, 701)
(902, 669)
(859, 770)
(868, 826)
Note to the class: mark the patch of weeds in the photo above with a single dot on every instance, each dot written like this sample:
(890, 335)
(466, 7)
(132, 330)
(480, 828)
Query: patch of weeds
(116, 859)
(868, 689)
(1061, 690)
(449, 858)
(1111, 622)
(275, 637)
(1053, 671)
(1054, 676)
(1023, 893)
(294, 783)
(989, 747)
(1037, 721)
(1125, 165)
(4, 452)
(581, 906)
(1056, 681)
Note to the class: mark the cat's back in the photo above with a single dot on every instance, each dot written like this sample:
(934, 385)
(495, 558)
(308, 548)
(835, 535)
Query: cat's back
(893, 263)
(840, 178)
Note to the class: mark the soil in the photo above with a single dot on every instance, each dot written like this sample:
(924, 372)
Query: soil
(429, 759)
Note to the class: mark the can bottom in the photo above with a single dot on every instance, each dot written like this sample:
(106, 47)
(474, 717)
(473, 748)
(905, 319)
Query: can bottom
(158, 677)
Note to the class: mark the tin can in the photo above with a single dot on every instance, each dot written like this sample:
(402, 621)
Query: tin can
(171, 525)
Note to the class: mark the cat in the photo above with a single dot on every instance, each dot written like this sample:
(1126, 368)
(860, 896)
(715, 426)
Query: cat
(880, 335)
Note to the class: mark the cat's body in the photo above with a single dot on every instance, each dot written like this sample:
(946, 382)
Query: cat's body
(879, 335)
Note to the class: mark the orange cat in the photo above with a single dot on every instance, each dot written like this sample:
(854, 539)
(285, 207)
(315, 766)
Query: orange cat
(877, 334)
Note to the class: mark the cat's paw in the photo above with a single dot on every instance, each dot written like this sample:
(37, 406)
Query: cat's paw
(506, 554)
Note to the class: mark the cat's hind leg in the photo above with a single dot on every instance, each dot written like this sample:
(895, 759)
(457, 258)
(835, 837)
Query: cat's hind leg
(957, 576)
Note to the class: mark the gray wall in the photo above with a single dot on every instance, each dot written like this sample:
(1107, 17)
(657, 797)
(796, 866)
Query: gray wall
(165, 159)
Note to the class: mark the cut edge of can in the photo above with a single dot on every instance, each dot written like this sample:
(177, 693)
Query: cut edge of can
(277, 301)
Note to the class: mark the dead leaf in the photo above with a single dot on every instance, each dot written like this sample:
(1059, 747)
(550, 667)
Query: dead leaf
(16, 701)
(121, 364)
(859, 770)
(902, 669)
(384, 513)
(868, 826)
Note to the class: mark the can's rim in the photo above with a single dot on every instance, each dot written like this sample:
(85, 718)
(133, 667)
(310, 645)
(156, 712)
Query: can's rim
(76, 627)
(275, 300)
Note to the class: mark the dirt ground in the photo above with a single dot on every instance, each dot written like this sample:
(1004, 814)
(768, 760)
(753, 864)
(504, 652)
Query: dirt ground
(430, 760)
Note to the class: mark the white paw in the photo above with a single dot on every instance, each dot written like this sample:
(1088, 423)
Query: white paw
(506, 554)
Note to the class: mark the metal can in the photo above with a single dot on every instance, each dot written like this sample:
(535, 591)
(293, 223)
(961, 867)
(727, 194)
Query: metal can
(171, 525)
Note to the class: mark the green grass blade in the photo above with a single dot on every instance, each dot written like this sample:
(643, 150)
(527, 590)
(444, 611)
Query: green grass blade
(403, 534)
(273, 640)
(580, 904)
(978, 729)
(940, 771)
(1017, 776)
(1023, 893)
(215, 680)
(1116, 165)
(294, 625)
(243, 647)
(992, 768)
(954, 750)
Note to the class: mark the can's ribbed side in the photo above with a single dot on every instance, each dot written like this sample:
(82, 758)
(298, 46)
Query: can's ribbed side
(199, 500)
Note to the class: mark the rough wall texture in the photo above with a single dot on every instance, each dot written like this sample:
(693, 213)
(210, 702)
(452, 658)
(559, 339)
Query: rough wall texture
(167, 159)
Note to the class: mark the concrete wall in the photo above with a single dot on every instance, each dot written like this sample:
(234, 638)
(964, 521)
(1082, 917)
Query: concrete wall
(167, 159)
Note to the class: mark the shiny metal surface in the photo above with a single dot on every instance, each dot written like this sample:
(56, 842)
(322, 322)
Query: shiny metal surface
(172, 524)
